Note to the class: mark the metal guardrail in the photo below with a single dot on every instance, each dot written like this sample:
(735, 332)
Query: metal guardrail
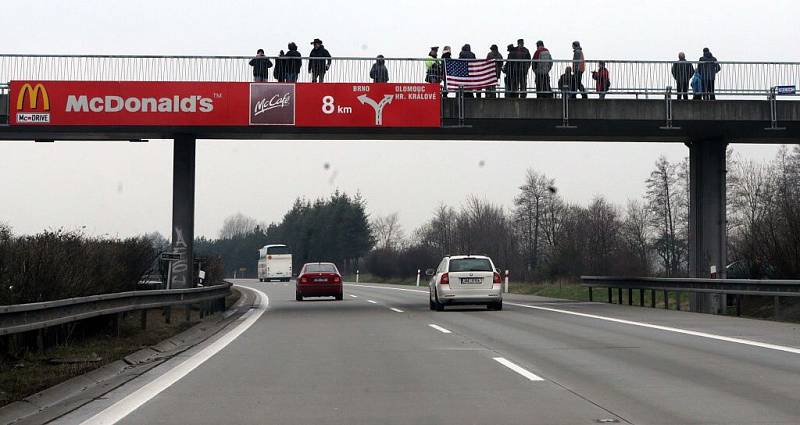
(27, 317)
(628, 78)
(737, 287)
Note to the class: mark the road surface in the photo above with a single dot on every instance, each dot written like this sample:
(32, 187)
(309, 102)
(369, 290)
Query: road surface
(381, 356)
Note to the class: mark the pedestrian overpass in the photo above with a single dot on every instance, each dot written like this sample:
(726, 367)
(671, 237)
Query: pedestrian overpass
(152, 97)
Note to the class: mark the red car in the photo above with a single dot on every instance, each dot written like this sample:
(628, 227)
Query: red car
(319, 280)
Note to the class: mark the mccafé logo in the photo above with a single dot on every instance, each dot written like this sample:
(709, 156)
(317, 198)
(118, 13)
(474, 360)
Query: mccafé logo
(33, 94)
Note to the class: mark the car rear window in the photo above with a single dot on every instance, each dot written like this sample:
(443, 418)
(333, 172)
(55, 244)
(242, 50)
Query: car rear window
(470, 265)
(320, 268)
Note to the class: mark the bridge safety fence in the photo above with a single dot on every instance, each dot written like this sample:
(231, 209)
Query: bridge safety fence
(626, 79)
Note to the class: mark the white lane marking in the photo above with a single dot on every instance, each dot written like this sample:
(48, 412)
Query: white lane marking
(396, 310)
(133, 401)
(439, 328)
(384, 287)
(784, 348)
(372, 302)
(742, 341)
(353, 296)
(517, 368)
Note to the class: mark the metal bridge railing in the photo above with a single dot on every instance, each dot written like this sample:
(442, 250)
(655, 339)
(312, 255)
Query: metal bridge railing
(627, 78)
(4, 104)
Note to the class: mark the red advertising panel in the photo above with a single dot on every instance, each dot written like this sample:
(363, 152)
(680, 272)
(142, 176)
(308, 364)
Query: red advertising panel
(367, 105)
(133, 103)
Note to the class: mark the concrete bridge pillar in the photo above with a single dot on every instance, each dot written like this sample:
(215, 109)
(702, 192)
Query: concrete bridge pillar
(183, 163)
(707, 218)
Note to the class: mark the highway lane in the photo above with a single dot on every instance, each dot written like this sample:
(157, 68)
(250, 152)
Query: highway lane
(380, 356)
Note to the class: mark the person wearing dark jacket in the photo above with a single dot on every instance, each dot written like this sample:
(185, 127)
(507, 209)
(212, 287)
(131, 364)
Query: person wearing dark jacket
(466, 53)
(523, 67)
(708, 69)
(542, 64)
(568, 83)
(293, 63)
(317, 65)
(261, 65)
(682, 72)
(280, 67)
(379, 73)
(497, 57)
(515, 72)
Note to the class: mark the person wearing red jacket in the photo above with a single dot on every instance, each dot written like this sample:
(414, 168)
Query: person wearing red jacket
(602, 81)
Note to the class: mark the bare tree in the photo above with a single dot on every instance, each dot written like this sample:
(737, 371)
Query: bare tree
(636, 236)
(237, 225)
(530, 204)
(388, 232)
(666, 197)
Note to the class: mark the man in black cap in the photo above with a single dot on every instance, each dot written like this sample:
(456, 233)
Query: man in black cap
(318, 65)
(433, 68)
(512, 68)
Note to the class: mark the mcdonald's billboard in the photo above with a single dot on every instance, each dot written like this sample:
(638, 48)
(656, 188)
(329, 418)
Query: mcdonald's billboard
(145, 103)
(128, 103)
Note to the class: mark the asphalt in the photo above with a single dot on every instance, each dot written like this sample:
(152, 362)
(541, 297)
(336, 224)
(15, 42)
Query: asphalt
(360, 362)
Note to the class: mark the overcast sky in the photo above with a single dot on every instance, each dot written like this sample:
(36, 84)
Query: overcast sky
(123, 189)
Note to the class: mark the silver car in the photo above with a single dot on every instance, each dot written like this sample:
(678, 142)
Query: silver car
(465, 279)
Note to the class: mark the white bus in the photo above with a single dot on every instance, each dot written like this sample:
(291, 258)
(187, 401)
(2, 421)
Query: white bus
(274, 263)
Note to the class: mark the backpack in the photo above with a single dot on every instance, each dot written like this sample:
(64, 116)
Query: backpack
(546, 63)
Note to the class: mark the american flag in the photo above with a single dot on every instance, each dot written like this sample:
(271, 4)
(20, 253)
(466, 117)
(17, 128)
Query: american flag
(471, 74)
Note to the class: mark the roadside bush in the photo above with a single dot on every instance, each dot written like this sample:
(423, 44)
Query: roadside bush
(58, 264)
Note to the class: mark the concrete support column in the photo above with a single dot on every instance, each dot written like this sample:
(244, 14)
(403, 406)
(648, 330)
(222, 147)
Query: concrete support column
(182, 271)
(707, 218)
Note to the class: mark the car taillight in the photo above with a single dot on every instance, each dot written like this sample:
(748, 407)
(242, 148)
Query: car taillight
(337, 279)
(497, 279)
(303, 279)
(445, 280)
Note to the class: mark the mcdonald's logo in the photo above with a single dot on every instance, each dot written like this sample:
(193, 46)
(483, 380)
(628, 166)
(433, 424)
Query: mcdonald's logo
(33, 93)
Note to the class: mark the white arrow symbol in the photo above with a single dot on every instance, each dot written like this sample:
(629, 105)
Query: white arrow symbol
(378, 107)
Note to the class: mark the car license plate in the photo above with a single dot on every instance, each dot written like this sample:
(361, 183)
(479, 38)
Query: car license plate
(320, 279)
(471, 280)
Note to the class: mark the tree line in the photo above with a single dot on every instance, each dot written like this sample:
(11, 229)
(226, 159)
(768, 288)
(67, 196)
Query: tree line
(544, 237)
(334, 229)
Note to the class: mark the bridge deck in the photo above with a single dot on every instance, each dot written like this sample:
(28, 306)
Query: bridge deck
(740, 121)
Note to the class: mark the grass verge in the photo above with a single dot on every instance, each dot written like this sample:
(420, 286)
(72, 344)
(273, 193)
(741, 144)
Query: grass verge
(34, 371)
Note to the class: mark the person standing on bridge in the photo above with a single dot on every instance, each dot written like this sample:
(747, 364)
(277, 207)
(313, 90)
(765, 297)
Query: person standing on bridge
(568, 84)
(497, 57)
(466, 53)
(516, 69)
(579, 67)
(682, 72)
(318, 65)
(542, 64)
(602, 80)
(293, 63)
(379, 73)
(524, 67)
(280, 67)
(446, 54)
(433, 69)
(261, 65)
(708, 69)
